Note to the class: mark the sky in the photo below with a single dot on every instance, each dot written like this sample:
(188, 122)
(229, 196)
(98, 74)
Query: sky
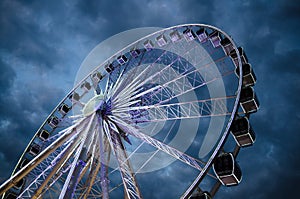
(43, 43)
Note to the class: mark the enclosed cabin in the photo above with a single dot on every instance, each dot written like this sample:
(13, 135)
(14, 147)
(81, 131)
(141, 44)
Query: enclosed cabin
(74, 97)
(34, 149)
(43, 135)
(20, 184)
(11, 195)
(86, 86)
(189, 34)
(64, 109)
(148, 45)
(249, 78)
(175, 36)
(227, 46)
(23, 163)
(248, 100)
(135, 52)
(203, 195)
(242, 54)
(97, 76)
(227, 170)
(215, 38)
(202, 35)
(242, 132)
(109, 68)
(161, 40)
(53, 122)
(122, 59)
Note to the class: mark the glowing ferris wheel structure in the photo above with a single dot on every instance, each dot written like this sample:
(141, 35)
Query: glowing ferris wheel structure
(165, 103)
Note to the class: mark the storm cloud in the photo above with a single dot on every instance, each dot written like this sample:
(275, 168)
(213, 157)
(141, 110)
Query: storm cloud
(43, 44)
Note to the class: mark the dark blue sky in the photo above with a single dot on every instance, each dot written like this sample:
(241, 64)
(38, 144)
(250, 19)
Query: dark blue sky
(42, 44)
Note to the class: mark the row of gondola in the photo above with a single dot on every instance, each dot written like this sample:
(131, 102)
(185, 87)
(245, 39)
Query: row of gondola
(225, 166)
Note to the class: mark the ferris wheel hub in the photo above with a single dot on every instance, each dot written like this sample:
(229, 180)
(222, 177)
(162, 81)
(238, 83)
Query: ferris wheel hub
(94, 104)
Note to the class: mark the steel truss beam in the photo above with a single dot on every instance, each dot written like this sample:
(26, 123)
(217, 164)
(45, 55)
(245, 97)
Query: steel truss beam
(13, 180)
(180, 110)
(130, 186)
(78, 163)
(157, 144)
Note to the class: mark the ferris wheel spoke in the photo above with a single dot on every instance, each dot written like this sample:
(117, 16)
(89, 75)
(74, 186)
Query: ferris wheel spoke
(129, 182)
(91, 145)
(179, 84)
(121, 82)
(137, 148)
(175, 111)
(143, 77)
(178, 87)
(69, 133)
(91, 179)
(157, 150)
(64, 191)
(84, 170)
(77, 164)
(135, 81)
(102, 147)
(158, 144)
(57, 177)
(112, 86)
(44, 177)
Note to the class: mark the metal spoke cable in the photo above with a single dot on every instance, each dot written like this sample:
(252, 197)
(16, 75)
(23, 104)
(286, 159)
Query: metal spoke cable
(157, 144)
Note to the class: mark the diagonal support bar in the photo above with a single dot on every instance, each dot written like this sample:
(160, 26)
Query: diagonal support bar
(157, 144)
(131, 188)
(39, 158)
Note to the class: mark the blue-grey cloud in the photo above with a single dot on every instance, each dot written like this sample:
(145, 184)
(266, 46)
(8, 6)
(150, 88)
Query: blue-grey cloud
(42, 45)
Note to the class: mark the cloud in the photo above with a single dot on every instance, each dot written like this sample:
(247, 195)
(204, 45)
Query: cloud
(23, 109)
(42, 45)
(7, 77)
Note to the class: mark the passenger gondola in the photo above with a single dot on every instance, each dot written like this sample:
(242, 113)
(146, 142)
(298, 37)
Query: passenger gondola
(23, 163)
(175, 36)
(19, 185)
(248, 100)
(227, 170)
(242, 132)
(189, 34)
(161, 40)
(109, 68)
(97, 76)
(10, 195)
(53, 122)
(135, 52)
(43, 135)
(202, 35)
(227, 46)
(122, 59)
(148, 45)
(249, 78)
(64, 109)
(34, 149)
(215, 39)
(203, 195)
(242, 54)
(86, 86)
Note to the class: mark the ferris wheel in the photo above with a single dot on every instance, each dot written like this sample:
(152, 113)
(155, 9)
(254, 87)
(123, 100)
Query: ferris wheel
(162, 107)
